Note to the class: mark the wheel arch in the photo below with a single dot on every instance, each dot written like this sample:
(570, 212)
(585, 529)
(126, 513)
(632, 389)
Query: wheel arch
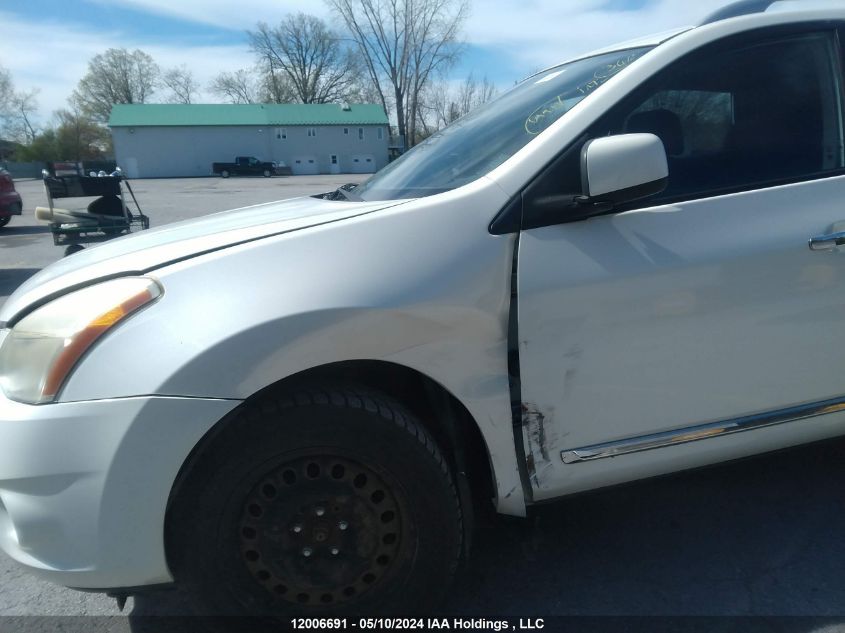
(443, 415)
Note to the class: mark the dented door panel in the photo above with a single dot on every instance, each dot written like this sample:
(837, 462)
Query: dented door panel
(675, 316)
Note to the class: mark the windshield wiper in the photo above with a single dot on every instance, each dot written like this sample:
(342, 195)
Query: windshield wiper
(344, 192)
(347, 192)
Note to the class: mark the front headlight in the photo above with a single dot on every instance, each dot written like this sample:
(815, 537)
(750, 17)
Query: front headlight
(40, 351)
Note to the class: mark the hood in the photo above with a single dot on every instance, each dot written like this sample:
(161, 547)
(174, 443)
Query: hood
(146, 250)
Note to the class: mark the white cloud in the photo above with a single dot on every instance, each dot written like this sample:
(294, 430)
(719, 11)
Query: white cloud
(535, 33)
(205, 61)
(53, 55)
(238, 15)
(61, 57)
(550, 31)
(530, 29)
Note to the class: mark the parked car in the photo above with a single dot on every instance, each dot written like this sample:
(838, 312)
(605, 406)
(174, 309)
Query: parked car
(10, 200)
(246, 166)
(628, 265)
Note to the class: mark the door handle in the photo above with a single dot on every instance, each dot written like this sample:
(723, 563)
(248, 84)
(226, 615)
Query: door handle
(828, 241)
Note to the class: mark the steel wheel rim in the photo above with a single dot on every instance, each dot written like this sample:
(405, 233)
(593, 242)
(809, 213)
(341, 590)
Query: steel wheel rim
(320, 530)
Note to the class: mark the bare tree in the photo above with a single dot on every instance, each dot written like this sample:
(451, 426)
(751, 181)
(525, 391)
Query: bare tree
(474, 93)
(237, 87)
(364, 90)
(441, 105)
(72, 136)
(273, 84)
(19, 121)
(313, 60)
(182, 85)
(7, 89)
(79, 138)
(17, 110)
(404, 44)
(116, 76)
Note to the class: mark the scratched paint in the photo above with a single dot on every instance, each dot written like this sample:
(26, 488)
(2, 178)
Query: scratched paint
(535, 424)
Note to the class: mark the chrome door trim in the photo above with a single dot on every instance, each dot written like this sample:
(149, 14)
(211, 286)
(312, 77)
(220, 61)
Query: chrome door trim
(701, 431)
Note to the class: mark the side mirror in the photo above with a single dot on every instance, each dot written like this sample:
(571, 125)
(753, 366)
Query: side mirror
(617, 169)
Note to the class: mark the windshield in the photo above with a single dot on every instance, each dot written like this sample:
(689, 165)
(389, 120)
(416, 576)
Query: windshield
(481, 141)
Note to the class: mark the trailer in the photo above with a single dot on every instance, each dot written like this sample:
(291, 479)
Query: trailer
(107, 217)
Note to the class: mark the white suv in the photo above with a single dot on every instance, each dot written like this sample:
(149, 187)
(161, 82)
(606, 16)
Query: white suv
(601, 276)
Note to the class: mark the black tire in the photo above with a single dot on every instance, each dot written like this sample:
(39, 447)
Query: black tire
(73, 248)
(325, 503)
(224, 173)
(4, 220)
(267, 173)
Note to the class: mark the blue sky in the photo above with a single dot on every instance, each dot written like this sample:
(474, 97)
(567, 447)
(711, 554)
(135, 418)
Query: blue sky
(505, 39)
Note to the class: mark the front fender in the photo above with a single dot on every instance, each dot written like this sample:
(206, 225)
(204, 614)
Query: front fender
(423, 285)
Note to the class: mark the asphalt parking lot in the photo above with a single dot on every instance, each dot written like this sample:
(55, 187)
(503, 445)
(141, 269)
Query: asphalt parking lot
(763, 537)
(26, 245)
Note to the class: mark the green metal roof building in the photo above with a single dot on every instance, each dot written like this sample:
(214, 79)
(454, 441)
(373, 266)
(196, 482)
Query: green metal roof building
(176, 140)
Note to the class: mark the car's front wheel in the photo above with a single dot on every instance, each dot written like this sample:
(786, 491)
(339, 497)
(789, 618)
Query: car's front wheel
(267, 173)
(4, 220)
(334, 502)
(224, 173)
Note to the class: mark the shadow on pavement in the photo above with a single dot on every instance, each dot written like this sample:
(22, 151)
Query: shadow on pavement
(23, 236)
(163, 612)
(761, 537)
(11, 278)
(758, 537)
(11, 231)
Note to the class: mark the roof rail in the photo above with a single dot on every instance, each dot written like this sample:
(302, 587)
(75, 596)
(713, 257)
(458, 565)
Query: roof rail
(736, 9)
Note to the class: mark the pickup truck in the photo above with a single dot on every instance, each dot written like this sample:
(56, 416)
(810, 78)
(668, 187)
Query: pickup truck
(245, 166)
(628, 265)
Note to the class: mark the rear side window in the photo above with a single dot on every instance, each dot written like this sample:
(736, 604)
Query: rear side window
(742, 118)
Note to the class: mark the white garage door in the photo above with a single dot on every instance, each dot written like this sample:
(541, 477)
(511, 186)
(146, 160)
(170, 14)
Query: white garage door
(362, 164)
(304, 165)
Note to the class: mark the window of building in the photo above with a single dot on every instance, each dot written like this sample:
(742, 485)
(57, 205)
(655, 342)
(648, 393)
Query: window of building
(360, 134)
(346, 131)
(380, 133)
(334, 159)
(281, 133)
(312, 131)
